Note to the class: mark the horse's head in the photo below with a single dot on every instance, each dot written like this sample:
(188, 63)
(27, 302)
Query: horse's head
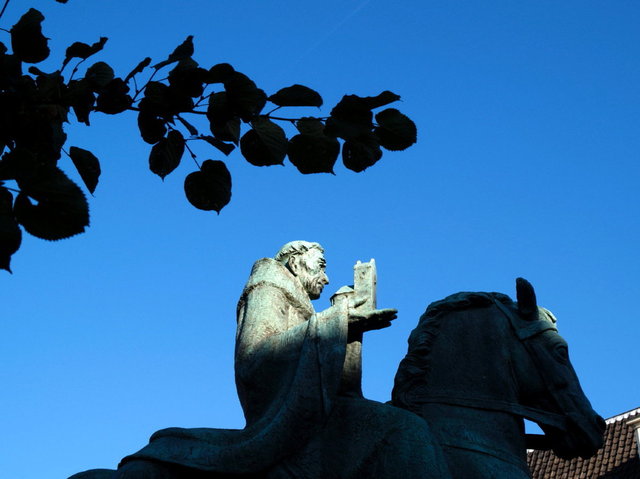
(483, 352)
(567, 418)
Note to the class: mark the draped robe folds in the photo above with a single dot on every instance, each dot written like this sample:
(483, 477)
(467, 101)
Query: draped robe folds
(289, 362)
(288, 365)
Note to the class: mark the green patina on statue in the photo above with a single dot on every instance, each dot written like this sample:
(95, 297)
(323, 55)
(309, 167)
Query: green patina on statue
(298, 380)
(478, 363)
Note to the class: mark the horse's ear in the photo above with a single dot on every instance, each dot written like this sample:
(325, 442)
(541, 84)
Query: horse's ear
(526, 299)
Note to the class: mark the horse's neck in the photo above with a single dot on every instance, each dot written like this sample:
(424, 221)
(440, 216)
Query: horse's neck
(492, 433)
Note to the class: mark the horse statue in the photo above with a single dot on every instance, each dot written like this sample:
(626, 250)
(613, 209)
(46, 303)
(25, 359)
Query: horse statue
(477, 364)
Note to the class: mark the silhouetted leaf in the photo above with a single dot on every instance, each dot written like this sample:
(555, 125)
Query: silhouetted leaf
(80, 97)
(265, 144)
(41, 132)
(27, 41)
(10, 71)
(99, 75)
(179, 100)
(245, 99)
(82, 50)
(182, 51)
(34, 70)
(224, 124)
(395, 131)
(188, 77)
(152, 128)
(113, 98)
(138, 69)
(193, 131)
(62, 210)
(311, 153)
(17, 164)
(166, 154)
(382, 99)
(156, 100)
(296, 95)
(210, 188)
(351, 118)
(50, 88)
(87, 165)
(10, 232)
(225, 148)
(310, 126)
(219, 73)
(360, 155)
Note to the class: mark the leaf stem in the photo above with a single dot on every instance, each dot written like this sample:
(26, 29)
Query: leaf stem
(6, 3)
(193, 155)
(192, 129)
(75, 69)
(275, 109)
(322, 118)
(145, 85)
(203, 97)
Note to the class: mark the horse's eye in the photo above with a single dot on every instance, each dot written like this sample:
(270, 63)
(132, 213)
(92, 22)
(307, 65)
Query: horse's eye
(562, 352)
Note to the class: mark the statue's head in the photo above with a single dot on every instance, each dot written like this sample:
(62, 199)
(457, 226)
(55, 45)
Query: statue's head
(306, 261)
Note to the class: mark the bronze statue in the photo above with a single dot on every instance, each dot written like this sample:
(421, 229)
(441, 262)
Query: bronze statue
(297, 375)
(477, 364)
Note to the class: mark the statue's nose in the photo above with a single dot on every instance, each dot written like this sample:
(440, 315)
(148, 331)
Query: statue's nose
(325, 279)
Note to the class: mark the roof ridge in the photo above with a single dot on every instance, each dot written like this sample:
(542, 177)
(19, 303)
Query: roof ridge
(622, 416)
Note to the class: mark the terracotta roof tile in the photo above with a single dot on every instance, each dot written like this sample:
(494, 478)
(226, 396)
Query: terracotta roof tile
(618, 459)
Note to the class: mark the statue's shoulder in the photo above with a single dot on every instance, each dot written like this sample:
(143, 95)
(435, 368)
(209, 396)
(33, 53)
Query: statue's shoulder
(267, 272)
(271, 271)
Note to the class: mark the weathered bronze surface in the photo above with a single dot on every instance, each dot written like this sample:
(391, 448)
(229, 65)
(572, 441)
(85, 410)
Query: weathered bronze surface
(478, 363)
(298, 380)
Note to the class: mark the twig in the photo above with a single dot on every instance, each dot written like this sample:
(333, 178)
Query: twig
(188, 126)
(193, 155)
(145, 85)
(203, 97)
(4, 8)
(275, 109)
(75, 69)
(322, 118)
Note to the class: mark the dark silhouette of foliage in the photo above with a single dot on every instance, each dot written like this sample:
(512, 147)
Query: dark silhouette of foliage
(35, 105)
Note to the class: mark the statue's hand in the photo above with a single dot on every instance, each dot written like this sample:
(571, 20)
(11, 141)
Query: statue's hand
(361, 321)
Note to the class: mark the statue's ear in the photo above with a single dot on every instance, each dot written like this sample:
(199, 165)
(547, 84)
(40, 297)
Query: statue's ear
(526, 299)
(294, 263)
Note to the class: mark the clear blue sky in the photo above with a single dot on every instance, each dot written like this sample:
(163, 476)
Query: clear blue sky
(527, 164)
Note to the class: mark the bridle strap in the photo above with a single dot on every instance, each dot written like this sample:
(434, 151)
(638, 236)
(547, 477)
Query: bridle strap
(524, 331)
(540, 416)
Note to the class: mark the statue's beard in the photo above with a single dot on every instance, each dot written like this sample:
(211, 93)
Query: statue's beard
(312, 284)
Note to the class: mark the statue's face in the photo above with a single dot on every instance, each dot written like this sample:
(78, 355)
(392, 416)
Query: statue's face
(311, 272)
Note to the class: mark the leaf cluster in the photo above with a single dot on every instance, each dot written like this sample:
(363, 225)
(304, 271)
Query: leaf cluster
(218, 106)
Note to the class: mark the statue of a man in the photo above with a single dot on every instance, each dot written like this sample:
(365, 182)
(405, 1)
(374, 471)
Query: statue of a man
(305, 419)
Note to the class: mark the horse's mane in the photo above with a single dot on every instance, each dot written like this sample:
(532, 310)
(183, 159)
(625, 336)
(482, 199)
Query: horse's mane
(415, 366)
